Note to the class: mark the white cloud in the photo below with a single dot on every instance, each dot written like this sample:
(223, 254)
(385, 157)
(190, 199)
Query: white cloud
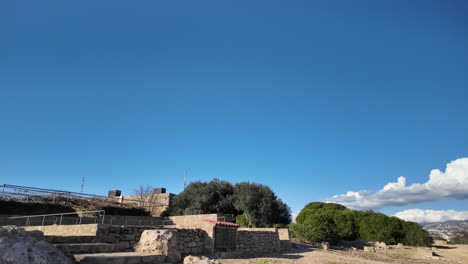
(430, 216)
(451, 184)
(294, 216)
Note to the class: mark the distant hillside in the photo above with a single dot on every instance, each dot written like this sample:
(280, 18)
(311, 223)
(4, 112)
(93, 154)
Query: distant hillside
(446, 229)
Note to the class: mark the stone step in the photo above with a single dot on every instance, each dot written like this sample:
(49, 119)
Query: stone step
(69, 248)
(70, 239)
(119, 258)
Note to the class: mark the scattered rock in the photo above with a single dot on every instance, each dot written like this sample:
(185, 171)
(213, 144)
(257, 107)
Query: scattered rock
(18, 246)
(199, 260)
(369, 249)
(325, 245)
(380, 245)
(353, 249)
(400, 245)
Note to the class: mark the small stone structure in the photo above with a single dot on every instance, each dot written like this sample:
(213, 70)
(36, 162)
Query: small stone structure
(284, 238)
(193, 235)
(257, 240)
(156, 203)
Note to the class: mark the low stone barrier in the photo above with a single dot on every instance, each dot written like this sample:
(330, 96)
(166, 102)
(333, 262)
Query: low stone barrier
(257, 240)
(284, 238)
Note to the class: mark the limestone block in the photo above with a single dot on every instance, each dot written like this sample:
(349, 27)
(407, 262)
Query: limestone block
(162, 241)
(369, 249)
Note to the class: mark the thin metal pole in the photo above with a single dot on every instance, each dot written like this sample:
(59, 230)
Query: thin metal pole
(80, 219)
(61, 216)
(43, 219)
(104, 215)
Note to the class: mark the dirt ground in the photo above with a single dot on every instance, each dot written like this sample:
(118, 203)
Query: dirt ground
(305, 254)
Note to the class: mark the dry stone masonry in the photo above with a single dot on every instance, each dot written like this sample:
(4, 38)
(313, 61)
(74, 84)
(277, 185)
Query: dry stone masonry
(258, 240)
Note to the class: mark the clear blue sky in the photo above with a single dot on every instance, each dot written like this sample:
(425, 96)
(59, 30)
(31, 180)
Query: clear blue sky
(313, 98)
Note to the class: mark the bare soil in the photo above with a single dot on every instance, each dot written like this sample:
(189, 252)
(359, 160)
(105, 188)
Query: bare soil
(305, 254)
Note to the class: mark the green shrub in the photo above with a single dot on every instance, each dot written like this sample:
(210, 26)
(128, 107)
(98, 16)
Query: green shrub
(333, 222)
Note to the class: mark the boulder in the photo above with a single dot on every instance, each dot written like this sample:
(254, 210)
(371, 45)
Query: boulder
(19, 246)
(369, 249)
(162, 241)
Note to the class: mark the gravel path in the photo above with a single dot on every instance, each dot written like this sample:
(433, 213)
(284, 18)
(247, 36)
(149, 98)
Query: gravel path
(311, 255)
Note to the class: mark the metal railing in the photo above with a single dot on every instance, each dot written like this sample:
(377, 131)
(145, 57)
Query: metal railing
(34, 194)
(80, 217)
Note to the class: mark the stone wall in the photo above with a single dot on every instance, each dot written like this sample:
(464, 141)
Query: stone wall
(189, 241)
(155, 203)
(128, 235)
(257, 240)
(66, 230)
(284, 238)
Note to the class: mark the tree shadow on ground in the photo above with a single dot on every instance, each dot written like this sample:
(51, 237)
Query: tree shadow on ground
(443, 247)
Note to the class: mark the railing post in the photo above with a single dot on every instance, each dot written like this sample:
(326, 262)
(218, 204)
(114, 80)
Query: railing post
(104, 215)
(61, 216)
(43, 219)
(80, 219)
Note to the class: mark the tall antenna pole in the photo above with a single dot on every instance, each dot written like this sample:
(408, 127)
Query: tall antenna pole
(82, 185)
(185, 179)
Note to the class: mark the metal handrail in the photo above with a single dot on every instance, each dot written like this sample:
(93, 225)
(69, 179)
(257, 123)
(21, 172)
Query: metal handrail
(61, 216)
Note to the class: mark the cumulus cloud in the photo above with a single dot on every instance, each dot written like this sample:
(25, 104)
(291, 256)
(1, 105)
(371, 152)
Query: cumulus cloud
(451, 184)
(430, 216)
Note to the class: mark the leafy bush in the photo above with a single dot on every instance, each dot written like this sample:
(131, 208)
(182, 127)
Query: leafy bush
(333, 222)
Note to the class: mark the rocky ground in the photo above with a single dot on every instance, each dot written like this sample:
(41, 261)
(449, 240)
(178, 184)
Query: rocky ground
(310, 254)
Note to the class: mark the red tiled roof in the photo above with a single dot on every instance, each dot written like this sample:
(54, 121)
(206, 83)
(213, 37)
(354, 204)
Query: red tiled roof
(221, 223)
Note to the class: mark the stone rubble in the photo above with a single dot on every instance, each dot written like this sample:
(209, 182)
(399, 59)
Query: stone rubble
(18, 246)
(199, 260)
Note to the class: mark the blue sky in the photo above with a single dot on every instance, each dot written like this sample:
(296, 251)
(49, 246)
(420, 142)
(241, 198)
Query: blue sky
(313, 98)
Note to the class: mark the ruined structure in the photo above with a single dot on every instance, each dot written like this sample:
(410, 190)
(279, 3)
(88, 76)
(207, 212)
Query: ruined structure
(181, 237)
(156, 203)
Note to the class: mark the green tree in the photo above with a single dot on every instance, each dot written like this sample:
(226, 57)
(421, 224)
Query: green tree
(318, 228)
(256, 203)
(260, 206)
(204, 198)
(316, 219)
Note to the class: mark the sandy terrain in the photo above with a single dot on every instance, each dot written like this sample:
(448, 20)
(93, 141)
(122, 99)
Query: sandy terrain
(309, 254)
